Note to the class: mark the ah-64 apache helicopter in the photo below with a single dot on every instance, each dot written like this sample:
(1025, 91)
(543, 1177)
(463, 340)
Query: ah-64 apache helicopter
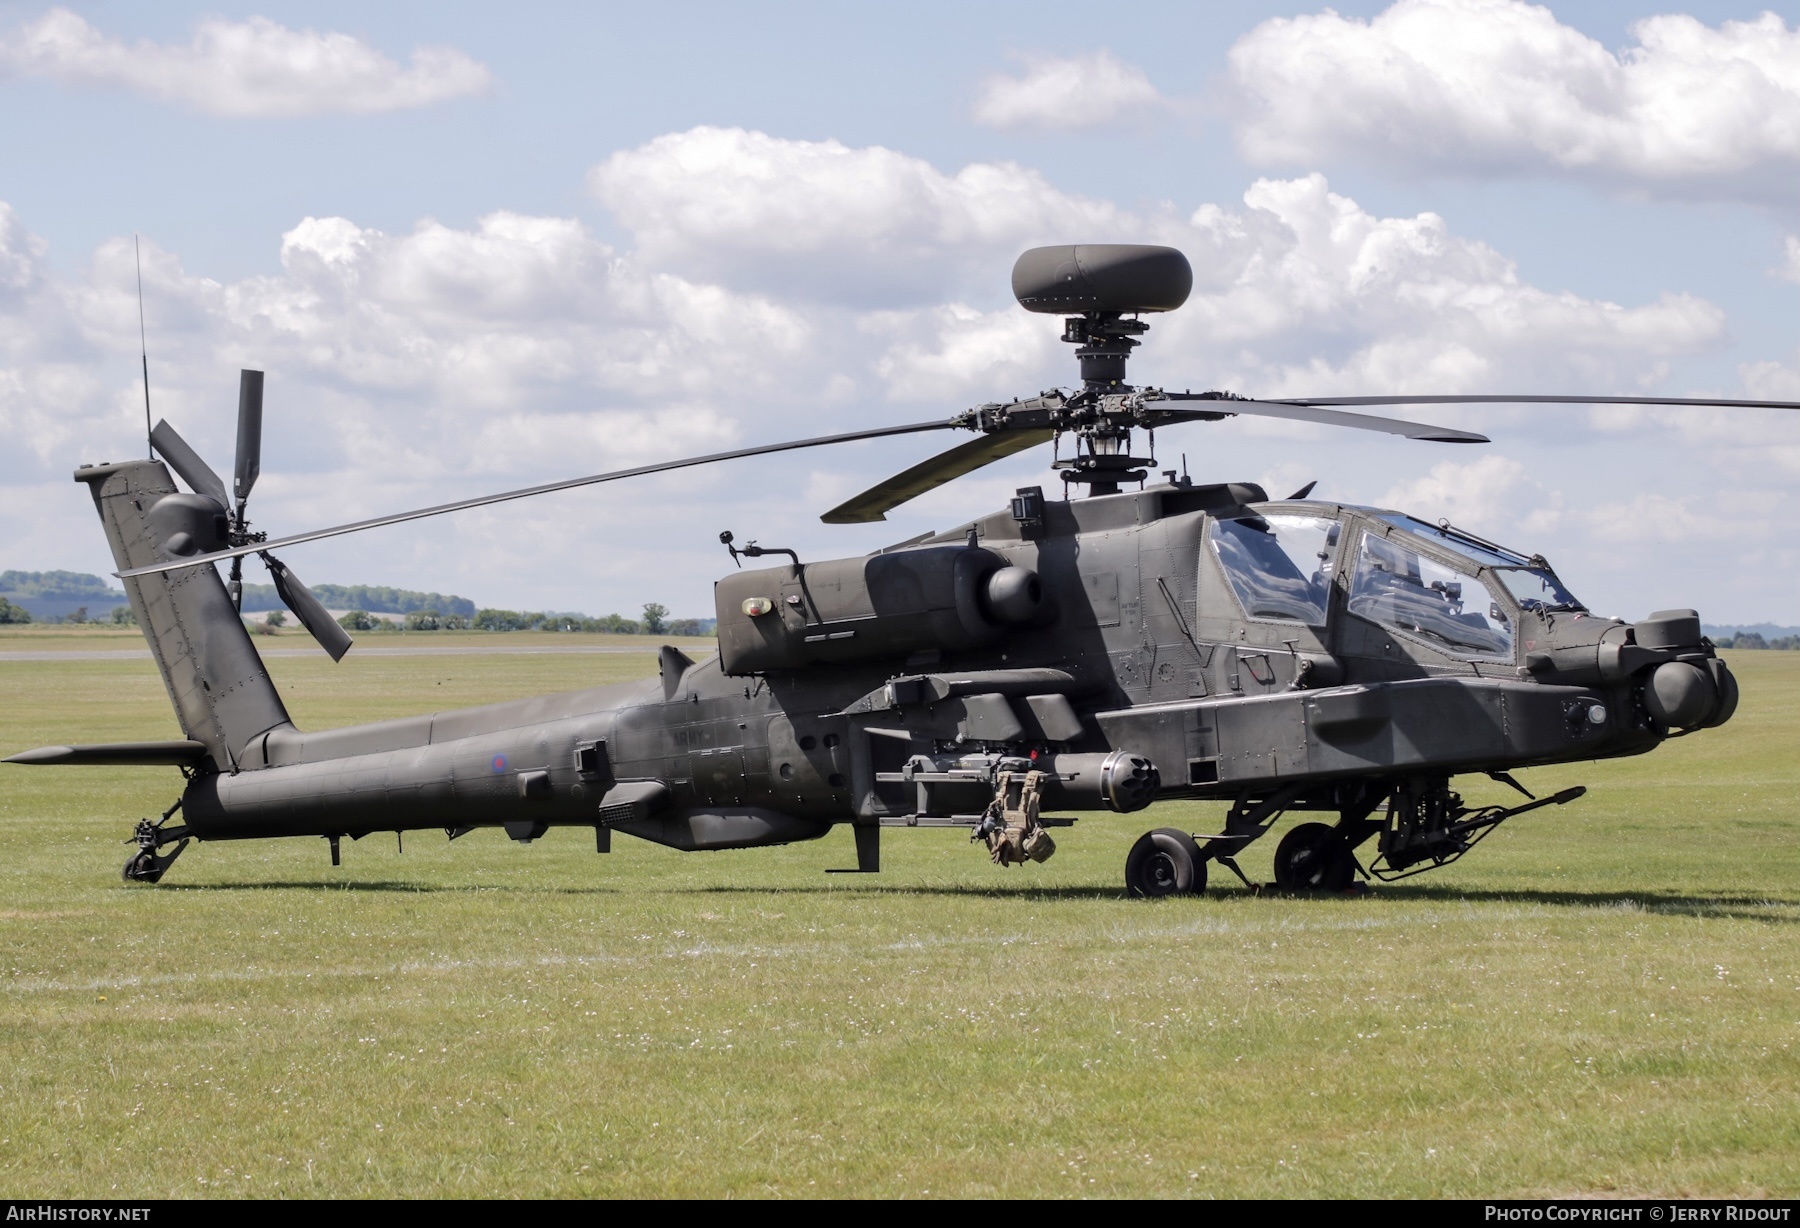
(1176, 640)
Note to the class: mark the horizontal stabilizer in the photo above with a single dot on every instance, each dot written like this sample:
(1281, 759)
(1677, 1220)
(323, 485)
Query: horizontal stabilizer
(115, 754)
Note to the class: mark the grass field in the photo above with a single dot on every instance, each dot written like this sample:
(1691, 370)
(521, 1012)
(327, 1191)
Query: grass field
(1604, 998)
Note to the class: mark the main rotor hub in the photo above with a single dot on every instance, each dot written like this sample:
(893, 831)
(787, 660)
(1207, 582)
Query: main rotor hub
(1103, 458)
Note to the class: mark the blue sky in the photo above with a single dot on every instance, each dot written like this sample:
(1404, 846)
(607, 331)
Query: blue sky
(571, 238)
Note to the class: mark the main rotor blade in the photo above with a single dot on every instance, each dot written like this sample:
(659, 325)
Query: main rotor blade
(308, 609)
(1301, 412)
(249, 441)
(527, 492)
(1494, 399)
(874, 503)
(186, 462)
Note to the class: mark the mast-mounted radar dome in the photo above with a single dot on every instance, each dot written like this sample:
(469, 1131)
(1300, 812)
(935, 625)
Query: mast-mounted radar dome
(1096, 285)
(1110, 278)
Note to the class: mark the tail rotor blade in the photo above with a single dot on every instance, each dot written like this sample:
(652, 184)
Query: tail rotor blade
(187, 463)
(249, 437)
(308, 609)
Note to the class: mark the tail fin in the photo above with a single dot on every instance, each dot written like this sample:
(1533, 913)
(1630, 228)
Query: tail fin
(216, 680)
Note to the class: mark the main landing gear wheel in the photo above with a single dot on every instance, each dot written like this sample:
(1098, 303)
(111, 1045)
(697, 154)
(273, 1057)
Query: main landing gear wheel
(1313, 858)
(1164, 862)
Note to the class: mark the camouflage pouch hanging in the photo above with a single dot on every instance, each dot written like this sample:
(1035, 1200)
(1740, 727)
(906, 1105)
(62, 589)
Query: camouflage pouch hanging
(1011, 827)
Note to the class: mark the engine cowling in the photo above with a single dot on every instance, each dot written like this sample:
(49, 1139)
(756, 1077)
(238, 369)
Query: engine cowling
(951, 598)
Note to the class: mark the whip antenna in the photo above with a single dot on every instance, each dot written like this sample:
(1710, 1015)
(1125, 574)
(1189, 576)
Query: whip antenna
(143, 345)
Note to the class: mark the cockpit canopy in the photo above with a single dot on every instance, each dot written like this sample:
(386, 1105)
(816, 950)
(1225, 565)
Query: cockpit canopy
(1529, 579)
(1430, 581)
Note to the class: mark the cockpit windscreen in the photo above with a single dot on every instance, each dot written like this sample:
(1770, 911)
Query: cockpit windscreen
(1528, 579)
(1537, 588)
(1397, 586)
(1279, 566)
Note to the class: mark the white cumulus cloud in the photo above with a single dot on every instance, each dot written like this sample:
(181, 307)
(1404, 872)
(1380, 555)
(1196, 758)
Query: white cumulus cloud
(253, 68)
(1500, 85)
(1084, 91)
(1304, 292)
(413, 366)
(1300, 290)
(863, 224)
(1789, 268)
(1484, 494)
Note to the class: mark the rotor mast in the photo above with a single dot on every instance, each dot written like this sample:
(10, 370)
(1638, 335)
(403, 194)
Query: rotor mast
(1095, 288)
(1103, 457)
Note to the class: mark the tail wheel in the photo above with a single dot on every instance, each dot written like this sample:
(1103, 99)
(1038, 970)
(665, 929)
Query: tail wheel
(1312, 857)
(1164, 862)
(143, 868)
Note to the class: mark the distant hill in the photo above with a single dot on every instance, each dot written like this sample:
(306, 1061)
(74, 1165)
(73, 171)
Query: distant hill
(1753, 635)
(49, 595)
(1769, 631)
(373, 598)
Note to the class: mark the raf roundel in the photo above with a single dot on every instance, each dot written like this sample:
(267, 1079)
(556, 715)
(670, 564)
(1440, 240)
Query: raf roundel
(499, 764)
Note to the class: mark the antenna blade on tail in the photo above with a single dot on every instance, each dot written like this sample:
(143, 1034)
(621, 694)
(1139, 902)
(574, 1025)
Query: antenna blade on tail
(308, 609)
(249, 439)
(185, 461)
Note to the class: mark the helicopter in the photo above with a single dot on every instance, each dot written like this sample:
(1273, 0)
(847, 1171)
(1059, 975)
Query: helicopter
(1061, 655)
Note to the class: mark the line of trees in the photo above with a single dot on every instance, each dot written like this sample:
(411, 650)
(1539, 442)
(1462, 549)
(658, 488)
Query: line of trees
(1754, 639)
(121, 616)
(655, 621)
(375, 598)
(74, 584)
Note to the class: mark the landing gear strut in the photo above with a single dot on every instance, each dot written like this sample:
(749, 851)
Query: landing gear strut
(147, 865)
(1428, 826)
(1425, 826)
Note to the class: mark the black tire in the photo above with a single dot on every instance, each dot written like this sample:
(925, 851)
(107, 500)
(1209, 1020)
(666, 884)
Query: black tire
(1313, 858)
(141, 868)
(1164, 862)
